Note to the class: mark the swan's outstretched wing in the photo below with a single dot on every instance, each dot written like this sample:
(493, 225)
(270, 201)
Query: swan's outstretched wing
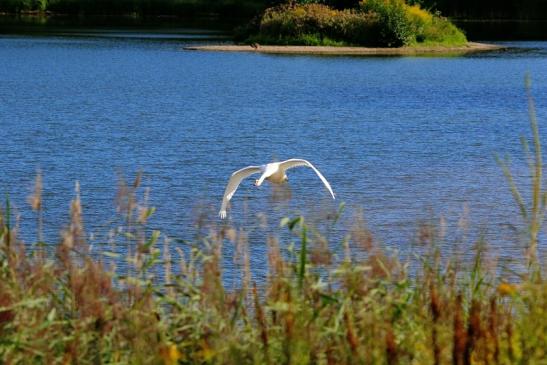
(295, 162)
(233, 183)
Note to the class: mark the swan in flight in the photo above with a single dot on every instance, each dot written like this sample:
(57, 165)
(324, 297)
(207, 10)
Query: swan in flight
(275, 172)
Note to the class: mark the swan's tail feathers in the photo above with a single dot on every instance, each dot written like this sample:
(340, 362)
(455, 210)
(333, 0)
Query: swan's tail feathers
(222, 214)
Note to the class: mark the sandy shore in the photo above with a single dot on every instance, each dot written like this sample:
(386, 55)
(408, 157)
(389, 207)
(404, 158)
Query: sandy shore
(470, 47)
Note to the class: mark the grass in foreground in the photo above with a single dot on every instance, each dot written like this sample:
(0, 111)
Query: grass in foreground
(171, 306)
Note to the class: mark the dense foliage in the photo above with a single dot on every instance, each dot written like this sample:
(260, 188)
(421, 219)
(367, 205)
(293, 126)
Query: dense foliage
(313, 24)
(168, 302)
(391, 23)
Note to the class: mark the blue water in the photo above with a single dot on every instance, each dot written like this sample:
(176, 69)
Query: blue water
(404, 139)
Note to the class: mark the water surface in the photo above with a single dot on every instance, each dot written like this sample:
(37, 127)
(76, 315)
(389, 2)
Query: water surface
(404, 139)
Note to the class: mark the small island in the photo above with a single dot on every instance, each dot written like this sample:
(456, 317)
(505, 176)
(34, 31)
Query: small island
(470, 47)
(371, 27)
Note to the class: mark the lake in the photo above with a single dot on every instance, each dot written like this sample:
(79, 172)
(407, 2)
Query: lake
(402, 139)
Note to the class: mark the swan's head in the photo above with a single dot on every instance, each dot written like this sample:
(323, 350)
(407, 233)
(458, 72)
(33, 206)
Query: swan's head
(256, 183)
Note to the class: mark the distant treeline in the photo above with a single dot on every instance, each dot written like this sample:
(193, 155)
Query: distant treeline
(490, 9)
(475, 9)
(462, 9)
(471, 9)
(242, 8)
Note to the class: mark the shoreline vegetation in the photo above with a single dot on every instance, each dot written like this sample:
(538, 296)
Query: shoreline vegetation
(522, 10)
(498, 21)
(373, 23)
(483, 20)
(143, 298)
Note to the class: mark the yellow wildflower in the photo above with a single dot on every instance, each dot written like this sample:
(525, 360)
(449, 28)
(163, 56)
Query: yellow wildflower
(505, 289)
(418, 13)
(300, 12)
(207, 353)
(170, 354)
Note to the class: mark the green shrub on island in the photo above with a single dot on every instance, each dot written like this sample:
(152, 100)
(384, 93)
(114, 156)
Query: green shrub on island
(380, 23)
(396, 27)
(402, 24)
(314, 24)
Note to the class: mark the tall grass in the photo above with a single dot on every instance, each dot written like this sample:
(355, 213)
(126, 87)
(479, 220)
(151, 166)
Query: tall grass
(533, 214)
(169, 304)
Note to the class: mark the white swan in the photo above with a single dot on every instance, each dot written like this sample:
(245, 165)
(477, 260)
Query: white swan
(274, 172)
